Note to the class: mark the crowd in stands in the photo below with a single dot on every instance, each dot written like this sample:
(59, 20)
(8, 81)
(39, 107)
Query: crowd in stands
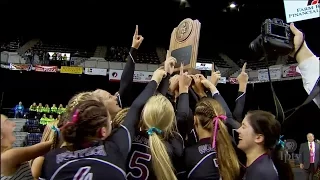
(46, 53)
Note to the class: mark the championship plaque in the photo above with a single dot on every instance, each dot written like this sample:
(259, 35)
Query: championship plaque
(184, 43)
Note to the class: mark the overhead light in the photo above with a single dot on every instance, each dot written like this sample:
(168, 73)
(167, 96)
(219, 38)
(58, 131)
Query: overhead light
(232, 5)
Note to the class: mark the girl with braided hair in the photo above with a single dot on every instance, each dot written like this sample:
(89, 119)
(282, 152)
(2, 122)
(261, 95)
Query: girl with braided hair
(52, 131)
(213, 156)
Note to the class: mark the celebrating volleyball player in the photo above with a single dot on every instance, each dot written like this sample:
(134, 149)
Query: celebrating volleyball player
(157, 148)
(121, 99)
(259, 138)
(213, 156)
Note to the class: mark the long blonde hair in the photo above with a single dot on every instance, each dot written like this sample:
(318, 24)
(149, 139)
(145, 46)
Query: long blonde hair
(159, 113)
(118, 119)
(73, 102)
(50, 133)
(206, 110)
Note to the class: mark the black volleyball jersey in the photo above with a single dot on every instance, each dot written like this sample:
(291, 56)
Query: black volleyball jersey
(103, 159)
(139, 164)
(262, 168)
(201, 161)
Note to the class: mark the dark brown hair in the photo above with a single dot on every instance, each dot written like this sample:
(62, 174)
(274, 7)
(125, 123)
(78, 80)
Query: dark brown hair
(265, 123)
(92, 115)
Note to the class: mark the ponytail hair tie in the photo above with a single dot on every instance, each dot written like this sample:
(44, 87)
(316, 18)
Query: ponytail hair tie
(55, 129)
(281, 142)
(215, 131)
(154, 130)
(75, 117)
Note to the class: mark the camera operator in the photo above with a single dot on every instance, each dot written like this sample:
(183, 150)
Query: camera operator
(308, 63)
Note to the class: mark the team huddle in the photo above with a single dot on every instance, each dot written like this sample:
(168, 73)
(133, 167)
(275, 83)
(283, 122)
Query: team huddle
(179, 127)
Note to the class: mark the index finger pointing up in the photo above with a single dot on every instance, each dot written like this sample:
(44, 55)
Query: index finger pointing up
(168, 54)
(136, 31)
(244, 67)
(181, 69)
(212, 68)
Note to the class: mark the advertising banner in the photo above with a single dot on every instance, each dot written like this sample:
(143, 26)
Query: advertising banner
(39, 68)
(95, 71)
(290, 71)
(71, 70)
(275, 73)
(20, 67)
(139, 76)
(299, 10)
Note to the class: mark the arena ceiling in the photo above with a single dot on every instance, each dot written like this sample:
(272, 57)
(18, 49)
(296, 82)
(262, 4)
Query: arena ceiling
(112, 22)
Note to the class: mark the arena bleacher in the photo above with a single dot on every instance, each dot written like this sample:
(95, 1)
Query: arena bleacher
(144, 55)
(11, 45)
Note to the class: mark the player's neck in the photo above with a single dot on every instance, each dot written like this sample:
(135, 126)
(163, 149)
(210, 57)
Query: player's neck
(254, 154)
(202, 134)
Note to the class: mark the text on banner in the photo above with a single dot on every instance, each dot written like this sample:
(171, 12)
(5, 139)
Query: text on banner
(275, 73)
(71, 70)
(301, 10)
(95, 71)
(46, 68)
(139, 76)
(21, 67)
(290, 71)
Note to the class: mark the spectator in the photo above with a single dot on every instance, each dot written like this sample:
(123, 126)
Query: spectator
(36, 59)
(46, 109)
(40, 108)
(44, 120)
(54, 108)
(58, 117)
(61, 109)
(50, 119)
(19, 110)
(33, 107)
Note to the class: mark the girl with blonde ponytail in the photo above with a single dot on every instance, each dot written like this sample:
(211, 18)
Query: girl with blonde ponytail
(157, 145)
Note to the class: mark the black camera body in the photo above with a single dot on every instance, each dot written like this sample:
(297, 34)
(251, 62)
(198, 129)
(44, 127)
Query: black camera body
(276, 38)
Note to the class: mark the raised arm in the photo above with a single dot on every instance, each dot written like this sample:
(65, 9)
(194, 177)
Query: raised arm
(128, 71)
(169, 64)
(231, 123)
(241, 98)
(183, 102)
(240, 102)
(127, 128)
(308, 63)
(12, 158)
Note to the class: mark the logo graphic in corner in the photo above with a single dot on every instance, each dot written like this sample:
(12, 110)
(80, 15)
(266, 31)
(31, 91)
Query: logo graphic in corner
(114, 74)
(291, 145)
(313, 2)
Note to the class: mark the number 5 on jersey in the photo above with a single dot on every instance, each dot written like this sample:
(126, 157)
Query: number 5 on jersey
(137, 163)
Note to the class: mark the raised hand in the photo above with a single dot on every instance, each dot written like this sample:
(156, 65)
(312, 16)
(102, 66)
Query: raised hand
(198, 86)
(184, 80)
(169, 63)
(298, 37)
(159, 74)
(243, 76)
(215, 75)
(137, 39)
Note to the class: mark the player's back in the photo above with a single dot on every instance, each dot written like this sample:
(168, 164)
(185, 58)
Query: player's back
(91, 163)
(201, 161)
(139, 164)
